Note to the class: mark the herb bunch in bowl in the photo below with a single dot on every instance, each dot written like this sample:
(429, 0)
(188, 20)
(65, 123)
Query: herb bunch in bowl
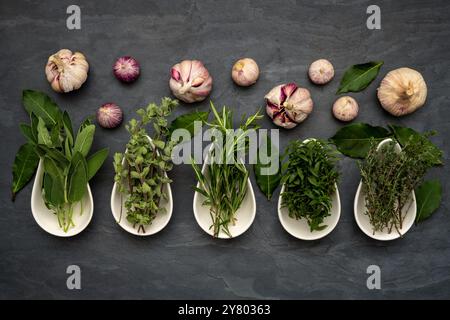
(141, 172)
(389, 176)
(224, 184)
(309, 179)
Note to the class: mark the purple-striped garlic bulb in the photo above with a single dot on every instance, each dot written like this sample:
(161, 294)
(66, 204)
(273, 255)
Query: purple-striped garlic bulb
(288, 105)
(190, 81)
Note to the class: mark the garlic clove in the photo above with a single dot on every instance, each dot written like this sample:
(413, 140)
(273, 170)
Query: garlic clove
(321, 71)
(245, 72)
(402, 91)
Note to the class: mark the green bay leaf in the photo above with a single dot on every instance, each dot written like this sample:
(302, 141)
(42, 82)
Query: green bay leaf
(40, 104)
(359, 76)
(428, 197)
(24, 167)
(186, 121)
(267, 183)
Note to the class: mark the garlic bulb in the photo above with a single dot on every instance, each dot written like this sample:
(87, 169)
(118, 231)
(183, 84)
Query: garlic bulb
(245, 72)
(190, 81)
(288, 105)
(66, 71)
(321, 71)
(402, 91)
(109, 115)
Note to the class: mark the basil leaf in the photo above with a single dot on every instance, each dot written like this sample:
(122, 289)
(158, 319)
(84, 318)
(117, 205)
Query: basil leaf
(354, 139)
(95, 161)
(77, 182)
(43, 134)
(404, 134)
(27, 133)
(42, 106)
(24, 167)
(186, 121)
(83, 141)
(359, 76)
(267, 183)
(428, 197)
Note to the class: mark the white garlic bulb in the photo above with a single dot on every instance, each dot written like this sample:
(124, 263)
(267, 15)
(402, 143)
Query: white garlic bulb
(66, 71)
(245, 72)
(402, 91)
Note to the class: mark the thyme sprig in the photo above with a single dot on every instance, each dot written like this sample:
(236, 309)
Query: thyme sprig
(389, 177)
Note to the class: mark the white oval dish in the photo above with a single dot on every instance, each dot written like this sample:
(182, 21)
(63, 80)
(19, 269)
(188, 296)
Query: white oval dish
(161, 220)
(300, 228)
(48, 221)
(245, 215)
(363, 221)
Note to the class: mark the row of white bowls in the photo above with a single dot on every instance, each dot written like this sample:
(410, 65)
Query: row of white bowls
(245, 214)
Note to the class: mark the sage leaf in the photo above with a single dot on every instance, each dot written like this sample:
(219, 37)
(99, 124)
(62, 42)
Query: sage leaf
(77, 182)
(24, 167)
(43, 134)
(354, 139)
(359, 76)
(68, 127)
(186, 121)
(56, 155)
(428, 197)
(83, 141)
(95, 161)
(56, 196)
(42, 106)
(267, 183)
(27, 133)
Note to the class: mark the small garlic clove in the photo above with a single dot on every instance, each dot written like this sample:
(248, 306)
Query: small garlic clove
(321, 71)
(402, 91)
(345, 108)
(245, 72)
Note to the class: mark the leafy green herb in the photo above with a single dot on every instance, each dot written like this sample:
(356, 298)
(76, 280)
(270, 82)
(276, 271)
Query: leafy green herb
(359, 76)
(309, 181)
(428, 197)
(66, 170)
(186, 121)
(354, 140)
(24, 167)
(225, 183)
(389, 177)
(267, 183)
(141, 172)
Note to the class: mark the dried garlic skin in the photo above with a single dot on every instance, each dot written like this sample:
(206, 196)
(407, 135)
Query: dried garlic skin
(288, 105)
(190, 81)
(345, 108)
(66, 71)
(402, 91)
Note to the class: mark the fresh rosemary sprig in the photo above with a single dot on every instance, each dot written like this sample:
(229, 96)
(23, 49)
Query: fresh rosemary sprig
(309, 180)
(141, 171)
(225, 184)
(388, 178)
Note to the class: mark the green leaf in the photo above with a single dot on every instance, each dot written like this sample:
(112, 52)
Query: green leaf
(42, 106)
(77, 178)
(43, 134)
(428, 197)
(34, 123)
(68, 127)
(56, 196)
(359, 76)
(56, 155)
(267, 183)
(186, 121)
(404, 134)
(24, 167)
(27, 133)
(84, 139)
(354, 140)
(95, 161)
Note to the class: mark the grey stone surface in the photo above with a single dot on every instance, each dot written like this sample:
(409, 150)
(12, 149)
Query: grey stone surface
(284, 37)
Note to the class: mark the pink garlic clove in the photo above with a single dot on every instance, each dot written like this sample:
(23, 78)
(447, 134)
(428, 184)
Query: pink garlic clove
(126, 69)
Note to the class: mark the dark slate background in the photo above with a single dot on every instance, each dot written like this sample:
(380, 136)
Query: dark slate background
(182, 261)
